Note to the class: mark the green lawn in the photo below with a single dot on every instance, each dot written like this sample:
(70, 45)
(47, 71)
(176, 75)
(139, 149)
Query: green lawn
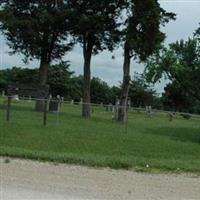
(163, 145)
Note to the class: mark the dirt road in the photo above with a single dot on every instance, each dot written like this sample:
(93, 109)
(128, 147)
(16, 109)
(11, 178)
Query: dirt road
(28, 180)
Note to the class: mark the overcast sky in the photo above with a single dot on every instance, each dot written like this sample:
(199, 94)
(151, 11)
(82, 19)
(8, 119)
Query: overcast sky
(103, 66)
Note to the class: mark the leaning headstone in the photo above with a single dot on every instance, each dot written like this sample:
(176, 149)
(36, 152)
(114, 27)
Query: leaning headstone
(171, 116)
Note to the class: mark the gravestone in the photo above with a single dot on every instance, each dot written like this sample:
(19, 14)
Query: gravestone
(149, 111)
(54, 104)
(15, 97)
(81, 101)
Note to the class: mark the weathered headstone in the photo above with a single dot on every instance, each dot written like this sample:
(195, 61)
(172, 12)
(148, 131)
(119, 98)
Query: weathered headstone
(54, 104)
(15, 97)
(171, 116)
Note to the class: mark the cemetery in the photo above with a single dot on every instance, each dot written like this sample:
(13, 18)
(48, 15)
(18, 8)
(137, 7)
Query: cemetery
(157, 141)
(99, 99)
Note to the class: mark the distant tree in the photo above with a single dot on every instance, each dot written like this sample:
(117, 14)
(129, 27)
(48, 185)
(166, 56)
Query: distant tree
(100, 91)
(180, 62)
(37, 29)
(95, 28)
(175, 98)
(142, 36)
(140, 93)
(59, 79)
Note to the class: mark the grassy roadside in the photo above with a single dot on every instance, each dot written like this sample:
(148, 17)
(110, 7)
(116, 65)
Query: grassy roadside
(150, 144)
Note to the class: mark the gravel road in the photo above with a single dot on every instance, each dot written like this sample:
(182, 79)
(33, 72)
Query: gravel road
(28, 180)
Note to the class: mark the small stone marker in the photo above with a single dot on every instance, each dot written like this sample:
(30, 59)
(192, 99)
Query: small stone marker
(54, 104)
(81, 101)
(3, 93)
(171, 116)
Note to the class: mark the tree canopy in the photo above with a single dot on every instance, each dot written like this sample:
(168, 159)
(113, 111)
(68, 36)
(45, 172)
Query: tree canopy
(96, 29)
(180, 62)
(37, 29)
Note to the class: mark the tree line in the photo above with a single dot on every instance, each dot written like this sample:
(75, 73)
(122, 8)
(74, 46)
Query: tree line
(47, 30)
(64, 82)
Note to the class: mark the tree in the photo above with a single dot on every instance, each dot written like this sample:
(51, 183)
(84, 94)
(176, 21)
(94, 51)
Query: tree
(175, 98)
(95, 28)
(60, 79)
(142, 36)
(100, 91)
(180, 62)
(140, 92)
(37, 29)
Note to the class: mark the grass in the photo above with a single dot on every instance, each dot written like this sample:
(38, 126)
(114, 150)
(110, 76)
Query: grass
(145, 144)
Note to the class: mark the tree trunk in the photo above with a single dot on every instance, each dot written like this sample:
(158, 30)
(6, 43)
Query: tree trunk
(43, 72)
(122, 112)
(86, 107)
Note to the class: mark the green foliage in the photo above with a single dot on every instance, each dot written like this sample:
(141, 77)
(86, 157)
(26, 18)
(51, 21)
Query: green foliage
(63, 82)
(142, 32)
(140, 93)
(95, 23)
(175, 98)
(100, 91)
(36, 29)
(180, 62)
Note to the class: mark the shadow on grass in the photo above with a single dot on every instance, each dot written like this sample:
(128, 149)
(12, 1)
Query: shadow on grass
(178, 134)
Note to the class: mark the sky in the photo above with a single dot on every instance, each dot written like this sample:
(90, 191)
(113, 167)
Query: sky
(109, 70)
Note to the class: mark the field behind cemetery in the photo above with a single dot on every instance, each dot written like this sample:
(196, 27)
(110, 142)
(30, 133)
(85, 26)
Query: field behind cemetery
(143, 144)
